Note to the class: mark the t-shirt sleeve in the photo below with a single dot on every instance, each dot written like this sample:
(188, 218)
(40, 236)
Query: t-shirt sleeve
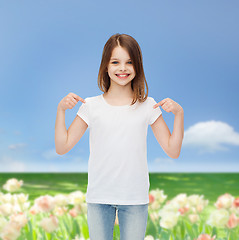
(154, 113)
(83, 112)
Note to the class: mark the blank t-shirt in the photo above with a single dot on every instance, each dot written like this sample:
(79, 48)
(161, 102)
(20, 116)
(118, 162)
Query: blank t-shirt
(117, 167)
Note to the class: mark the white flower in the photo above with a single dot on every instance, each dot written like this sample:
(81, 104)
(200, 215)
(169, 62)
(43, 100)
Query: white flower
(20, 198)
(12, 185)
(10, 231)
(156, 198)
(169, 220)
(49, 224)
(3, 222)
(193, 218)
(181, 199)
(224, 201)
(61, 200)
(7, 198)
(218, 218)
(76, 198)
(6, 209)
(20, 219)
(149, 237)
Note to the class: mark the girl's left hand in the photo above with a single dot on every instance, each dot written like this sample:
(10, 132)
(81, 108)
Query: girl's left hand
(169, 105)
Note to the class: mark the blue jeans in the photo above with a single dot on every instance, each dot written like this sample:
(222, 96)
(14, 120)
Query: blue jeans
(132, 221)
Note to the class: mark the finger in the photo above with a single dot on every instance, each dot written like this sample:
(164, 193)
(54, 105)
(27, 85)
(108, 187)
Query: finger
(69, 104)
(73, 100)
(78, 98)
(162, 102)
(159, 104)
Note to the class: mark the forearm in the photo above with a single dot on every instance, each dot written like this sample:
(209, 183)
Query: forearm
(60, 131)
(176, 138)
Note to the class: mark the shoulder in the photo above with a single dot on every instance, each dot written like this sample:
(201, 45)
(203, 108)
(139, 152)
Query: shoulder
(92, 99)
(150, 101)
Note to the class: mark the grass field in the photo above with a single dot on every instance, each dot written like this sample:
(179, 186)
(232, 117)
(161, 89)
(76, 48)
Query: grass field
(211, 185)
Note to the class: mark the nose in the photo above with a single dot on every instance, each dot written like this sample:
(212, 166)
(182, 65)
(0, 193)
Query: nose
(122, 67)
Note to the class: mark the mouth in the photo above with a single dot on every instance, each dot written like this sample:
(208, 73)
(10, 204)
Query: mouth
(122, 76)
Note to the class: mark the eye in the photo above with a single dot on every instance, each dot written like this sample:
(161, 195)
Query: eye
(128, 62)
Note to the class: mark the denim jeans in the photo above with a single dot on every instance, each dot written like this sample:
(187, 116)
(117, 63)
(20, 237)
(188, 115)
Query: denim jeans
(132, 221)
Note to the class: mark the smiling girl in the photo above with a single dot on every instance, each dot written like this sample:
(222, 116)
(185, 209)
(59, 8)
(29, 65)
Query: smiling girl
(118, 121)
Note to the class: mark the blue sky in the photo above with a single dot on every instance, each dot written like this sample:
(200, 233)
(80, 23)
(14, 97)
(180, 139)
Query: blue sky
(50, 48)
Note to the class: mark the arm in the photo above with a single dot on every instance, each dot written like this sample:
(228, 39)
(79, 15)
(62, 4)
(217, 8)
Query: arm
(176, 139)
(170, 143)
(60, 132)
(65, 139)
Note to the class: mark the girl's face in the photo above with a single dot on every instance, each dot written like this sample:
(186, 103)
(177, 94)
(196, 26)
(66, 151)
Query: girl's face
(120, 67)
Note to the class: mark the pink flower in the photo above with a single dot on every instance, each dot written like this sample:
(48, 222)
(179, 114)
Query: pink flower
(233, 221)
(151, 198)
(236, 202)
(45, 203)
(34, 210)
(183, 210)
(225, 201)
(73, 212)
(49, 224)
(206, 237)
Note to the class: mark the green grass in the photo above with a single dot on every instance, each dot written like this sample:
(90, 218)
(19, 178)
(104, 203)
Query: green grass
(211, 185)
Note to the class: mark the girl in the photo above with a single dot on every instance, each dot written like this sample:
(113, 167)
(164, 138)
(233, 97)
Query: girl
(118, 121)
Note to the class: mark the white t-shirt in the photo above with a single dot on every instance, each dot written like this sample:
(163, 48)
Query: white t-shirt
(117, 167)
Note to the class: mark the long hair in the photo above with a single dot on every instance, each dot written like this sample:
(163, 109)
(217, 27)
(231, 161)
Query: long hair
(134, 51)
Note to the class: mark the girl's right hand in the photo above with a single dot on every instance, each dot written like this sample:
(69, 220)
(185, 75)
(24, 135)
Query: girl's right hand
(69, 101)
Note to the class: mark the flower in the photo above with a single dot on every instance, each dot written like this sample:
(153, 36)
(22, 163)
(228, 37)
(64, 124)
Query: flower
(6, 209)
(3, 222)
(61, 200)
(218, 218)
(193, 218)
(236, 202)
(183, 210)
(20, 219)
(49, 224)
(169, 220)
(206, 237)
(12, 185)
(154, 216)
(45, 203)
(149, 237)
(224, 201)
(10, 231)
(233, 221)
(35, 209)
(156, 198)
(73, 212)
(60, 210)
(76, 198)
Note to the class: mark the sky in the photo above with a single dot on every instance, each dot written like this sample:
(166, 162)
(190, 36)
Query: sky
(51, 48)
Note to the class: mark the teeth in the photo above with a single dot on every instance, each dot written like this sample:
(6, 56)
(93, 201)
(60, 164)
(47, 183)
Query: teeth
(122, 75)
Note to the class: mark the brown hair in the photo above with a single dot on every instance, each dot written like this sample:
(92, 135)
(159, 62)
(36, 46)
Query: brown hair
(133, 48)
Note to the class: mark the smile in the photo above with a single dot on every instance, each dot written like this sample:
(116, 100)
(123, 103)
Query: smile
(122, 76)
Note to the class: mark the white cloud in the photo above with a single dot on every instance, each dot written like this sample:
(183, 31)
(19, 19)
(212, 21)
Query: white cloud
(8, 164)
(17, 146)
(211, 136)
